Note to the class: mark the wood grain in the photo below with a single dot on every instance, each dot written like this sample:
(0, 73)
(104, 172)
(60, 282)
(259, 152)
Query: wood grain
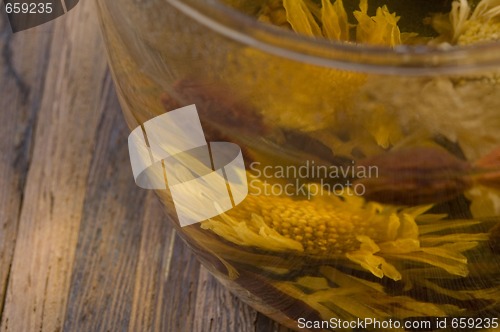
(53, 199)
(102, 286)
(81, 247)
(23, 66)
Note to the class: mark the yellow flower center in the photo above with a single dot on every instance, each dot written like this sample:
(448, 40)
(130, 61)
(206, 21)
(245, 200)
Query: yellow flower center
(318, 226)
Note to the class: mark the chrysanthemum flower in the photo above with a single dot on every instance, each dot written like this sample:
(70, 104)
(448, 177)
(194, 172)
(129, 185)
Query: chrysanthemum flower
(376, 237)
(464, 26)
(330, 20)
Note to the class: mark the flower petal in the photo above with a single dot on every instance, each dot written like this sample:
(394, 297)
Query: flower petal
(300, 18)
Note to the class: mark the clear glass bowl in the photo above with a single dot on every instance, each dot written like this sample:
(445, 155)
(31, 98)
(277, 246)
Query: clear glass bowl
(373, 174)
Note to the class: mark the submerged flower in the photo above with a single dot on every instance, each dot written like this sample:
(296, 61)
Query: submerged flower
(381, 29)
(330, 20)
(335, 23)
(464, 110)
(300, 18)
(462, 26)
(354, 298)
(290, 95)
(373, 235)
(253, 231)
(274, 13)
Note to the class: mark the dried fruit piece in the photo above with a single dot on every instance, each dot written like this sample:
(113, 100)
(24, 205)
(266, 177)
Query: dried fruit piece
(414, 176)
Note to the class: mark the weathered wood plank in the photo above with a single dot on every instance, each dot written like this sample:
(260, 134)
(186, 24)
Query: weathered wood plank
(53, 197)
(156, 250)
(23, 64)
(218, 310)
(103, 280)
(180, 290)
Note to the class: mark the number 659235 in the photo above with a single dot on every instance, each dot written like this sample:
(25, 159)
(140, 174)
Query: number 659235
(28, 8)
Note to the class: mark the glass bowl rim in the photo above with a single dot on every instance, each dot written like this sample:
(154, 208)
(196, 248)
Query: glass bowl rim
(408, 60)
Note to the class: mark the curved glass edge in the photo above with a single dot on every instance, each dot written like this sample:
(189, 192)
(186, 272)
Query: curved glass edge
(407, 60)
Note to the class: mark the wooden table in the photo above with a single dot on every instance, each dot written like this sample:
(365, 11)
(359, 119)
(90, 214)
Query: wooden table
(81, 247)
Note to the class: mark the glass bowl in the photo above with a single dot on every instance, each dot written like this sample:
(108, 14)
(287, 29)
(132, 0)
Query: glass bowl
(372, 173)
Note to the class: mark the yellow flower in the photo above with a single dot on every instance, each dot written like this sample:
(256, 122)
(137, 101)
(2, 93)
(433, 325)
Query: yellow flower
(289, 94)
(374, 236)
(483, 25)
(353, 298)
(485, 202)
(274, 13)
(300, 18)
(334, 18)
(383, 126)
(253, 231)
(380, 29)
(464, 111)
(460, 27)
(330, 20)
